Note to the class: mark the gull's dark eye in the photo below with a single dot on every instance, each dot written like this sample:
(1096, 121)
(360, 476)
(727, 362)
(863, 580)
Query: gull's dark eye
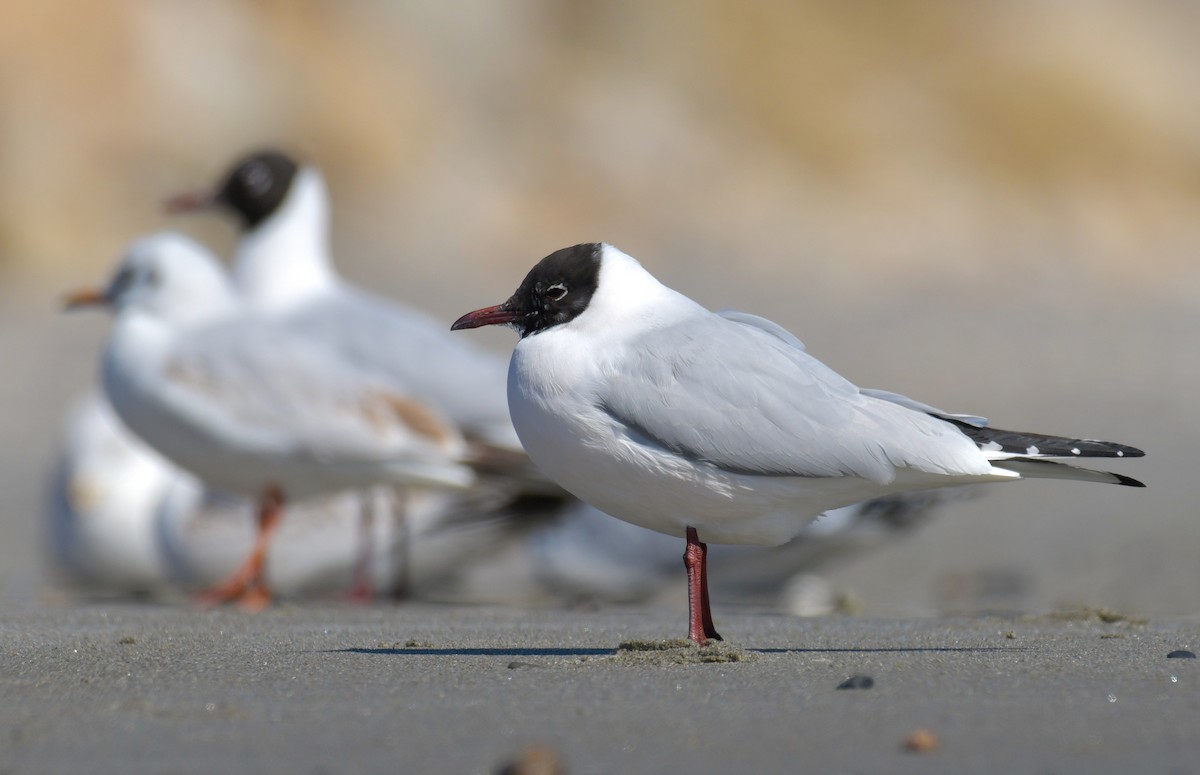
(556, 292)
(121, 282)
(257, 177)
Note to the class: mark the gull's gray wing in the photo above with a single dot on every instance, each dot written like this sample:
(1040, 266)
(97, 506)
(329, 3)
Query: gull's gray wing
(782, 334)
(905, 401)
(769, 326)
(256, 385)
(747, 401)
(787, 337)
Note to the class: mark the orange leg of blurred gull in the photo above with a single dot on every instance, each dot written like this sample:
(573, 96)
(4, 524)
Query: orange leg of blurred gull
(401, 588)
(695, 559)
(247, 586)
(361, 591)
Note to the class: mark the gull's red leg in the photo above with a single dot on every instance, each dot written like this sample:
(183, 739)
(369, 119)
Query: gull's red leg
(247, 585)
(695, 560)
(705, 612)
(361, 591)
(402, 578)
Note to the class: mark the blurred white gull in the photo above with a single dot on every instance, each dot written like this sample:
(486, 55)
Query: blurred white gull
(250, 406)
(283, 269)
(125, 520)
(104, 496)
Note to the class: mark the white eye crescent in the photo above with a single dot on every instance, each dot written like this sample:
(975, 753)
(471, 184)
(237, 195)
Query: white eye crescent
(556, 292)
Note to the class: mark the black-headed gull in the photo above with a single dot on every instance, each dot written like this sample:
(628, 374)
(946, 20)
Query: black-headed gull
(282, 268)
(250, 406)
(723, 428)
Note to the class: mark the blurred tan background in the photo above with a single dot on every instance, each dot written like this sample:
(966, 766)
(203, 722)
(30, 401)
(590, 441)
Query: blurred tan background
(991, 206)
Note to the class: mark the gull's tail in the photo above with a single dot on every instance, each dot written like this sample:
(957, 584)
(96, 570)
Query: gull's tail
(1026, 453)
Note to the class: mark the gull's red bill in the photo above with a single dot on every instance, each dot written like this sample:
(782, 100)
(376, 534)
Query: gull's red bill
(189, 201)
(89, 297)
(488, 316)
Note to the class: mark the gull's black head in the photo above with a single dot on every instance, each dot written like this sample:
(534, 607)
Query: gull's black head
(554, 292)
(257, 185)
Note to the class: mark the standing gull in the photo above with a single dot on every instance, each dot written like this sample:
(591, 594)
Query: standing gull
(723, 428)
(282, 268)
(250, 406)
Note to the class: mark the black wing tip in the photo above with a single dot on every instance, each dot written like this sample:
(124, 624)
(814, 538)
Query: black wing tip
(1018, 464)
(1128, 481)
(1041, 445)
(1104, 449)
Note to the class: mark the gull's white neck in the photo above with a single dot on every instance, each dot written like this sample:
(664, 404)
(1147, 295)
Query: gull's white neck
(185, 305)
(285, 259)
(628, 299)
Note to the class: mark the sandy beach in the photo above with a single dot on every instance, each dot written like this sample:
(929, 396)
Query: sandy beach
(323, 689)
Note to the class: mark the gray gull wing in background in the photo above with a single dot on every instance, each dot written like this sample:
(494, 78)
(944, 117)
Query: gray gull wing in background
(397, 342)
(280, 393)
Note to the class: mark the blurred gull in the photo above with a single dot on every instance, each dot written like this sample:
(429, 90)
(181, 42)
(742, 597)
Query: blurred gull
(250, 406)
(105, 493)
(655, 410)
(282, 268)
(125, 520)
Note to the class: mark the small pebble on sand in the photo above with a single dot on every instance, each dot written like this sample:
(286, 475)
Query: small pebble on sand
(921, 741)
(857, 682)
